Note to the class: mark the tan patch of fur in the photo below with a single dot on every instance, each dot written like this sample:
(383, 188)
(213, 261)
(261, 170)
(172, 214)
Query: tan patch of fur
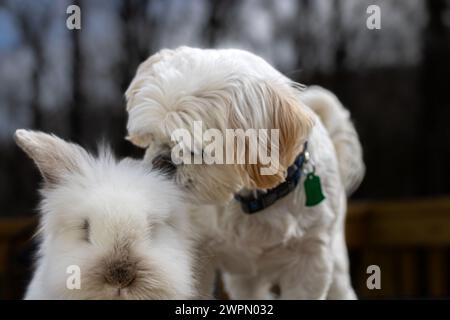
(294, 123)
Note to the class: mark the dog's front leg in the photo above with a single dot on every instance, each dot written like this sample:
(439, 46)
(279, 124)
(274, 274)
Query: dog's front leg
(309, 275)
(249, 287)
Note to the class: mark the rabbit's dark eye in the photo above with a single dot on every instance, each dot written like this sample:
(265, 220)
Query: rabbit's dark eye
(86, 228)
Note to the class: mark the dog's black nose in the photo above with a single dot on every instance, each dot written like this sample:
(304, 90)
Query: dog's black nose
(164, 163)
(120, 274)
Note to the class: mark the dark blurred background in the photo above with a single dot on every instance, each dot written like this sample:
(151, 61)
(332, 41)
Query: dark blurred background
(394, 80)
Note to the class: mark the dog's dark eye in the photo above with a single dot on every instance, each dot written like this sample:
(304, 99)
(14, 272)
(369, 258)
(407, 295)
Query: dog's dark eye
(86, 228)
(202, 153)
(164, 163)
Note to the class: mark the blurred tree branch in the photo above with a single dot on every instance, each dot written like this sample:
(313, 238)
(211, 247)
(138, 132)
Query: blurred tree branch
(33, 32)
(76, 107)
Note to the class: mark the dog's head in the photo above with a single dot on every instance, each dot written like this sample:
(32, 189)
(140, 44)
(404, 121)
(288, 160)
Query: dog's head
(210, 94)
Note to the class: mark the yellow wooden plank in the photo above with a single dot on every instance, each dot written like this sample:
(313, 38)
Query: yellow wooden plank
(404, 223)
(13, 226)
(409, 273)
(437, 269)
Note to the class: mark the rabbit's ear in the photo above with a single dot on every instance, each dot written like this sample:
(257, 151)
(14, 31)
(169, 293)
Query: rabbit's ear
(54, 157)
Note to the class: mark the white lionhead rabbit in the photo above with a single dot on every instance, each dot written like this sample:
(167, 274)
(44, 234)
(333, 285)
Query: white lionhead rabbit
(123, 226)
(288, 240)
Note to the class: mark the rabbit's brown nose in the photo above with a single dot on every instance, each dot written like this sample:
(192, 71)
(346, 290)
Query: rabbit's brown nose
(120, 274)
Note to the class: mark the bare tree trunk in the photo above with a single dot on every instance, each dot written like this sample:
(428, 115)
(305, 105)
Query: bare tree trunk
(434, 118)
(34, 38)
(137, 29)
(76, 107)
(22, 178)
(220, 10)
(340, 53)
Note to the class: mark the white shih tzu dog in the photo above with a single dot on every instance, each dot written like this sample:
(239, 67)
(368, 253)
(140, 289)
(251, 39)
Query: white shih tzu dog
(286, 228)
(121, 229)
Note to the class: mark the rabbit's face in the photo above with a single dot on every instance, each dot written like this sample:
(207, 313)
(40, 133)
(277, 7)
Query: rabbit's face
(123, 247)
(109, 230)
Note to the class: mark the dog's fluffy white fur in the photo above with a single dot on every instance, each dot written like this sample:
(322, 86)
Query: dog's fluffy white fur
(123, 226)
(301, 249)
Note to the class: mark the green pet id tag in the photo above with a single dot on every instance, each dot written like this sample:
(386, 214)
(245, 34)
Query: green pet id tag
(313, 190)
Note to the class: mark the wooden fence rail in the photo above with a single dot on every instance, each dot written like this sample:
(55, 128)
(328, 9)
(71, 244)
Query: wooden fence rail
(408, 239)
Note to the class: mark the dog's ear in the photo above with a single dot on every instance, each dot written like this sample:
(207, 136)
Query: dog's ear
(135, 96)
(277, 105)
(144, 71)
(54, 157)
